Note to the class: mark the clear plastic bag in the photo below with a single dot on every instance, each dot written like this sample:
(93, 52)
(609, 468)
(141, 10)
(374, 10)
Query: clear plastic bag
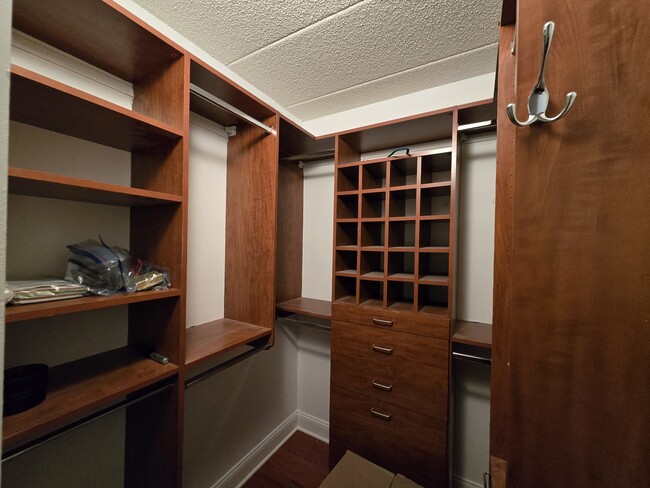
(106, 270)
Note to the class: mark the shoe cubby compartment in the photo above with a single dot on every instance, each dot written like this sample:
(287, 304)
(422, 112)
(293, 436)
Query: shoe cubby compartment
(347, 207)
(345, 289)
(403, 172)
(373, 206)
(372, 265)
(402, 203)
(436, 168)
(433, 299)
(434, 234)
(401, 265)
(346, 263)
(434, 268)
(401, 234)
(347, 179)
(400, 296)
(372, 234)
(435, 201)
(346, 234)
(371, 293)
(374, 176)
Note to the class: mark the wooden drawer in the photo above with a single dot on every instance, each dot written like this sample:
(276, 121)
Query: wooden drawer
(408, 443)
(413, 375)
(415, 323)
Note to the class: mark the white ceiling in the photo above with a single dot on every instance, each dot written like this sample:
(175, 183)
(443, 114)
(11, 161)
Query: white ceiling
(316, 58)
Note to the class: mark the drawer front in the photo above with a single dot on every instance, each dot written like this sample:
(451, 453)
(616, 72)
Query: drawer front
(402, 369)
(397, 439)
(415, 323)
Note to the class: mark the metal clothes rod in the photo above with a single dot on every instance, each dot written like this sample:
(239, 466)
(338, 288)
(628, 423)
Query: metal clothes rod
(471, 358)
(209, 97)
(305, 323)
(225, 365)
(80, 423)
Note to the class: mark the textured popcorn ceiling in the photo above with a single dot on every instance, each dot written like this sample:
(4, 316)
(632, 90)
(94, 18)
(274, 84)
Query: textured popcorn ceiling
(320, 57)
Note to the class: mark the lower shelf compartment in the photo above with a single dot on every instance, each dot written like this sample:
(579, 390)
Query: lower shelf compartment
(207, 340)
(80, 388)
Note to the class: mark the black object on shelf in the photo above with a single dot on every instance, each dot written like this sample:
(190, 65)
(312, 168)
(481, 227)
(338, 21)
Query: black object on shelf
(24, 387)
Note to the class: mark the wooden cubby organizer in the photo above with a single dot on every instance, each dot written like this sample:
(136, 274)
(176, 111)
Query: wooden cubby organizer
(155, 131)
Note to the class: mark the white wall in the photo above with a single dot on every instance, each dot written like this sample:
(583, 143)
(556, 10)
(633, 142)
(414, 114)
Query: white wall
(5, 39)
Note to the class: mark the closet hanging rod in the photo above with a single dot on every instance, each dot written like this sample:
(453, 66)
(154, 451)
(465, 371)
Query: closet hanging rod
(19, 451)
(209, 97)
(225, 365)
(306, 323)
(471, 358)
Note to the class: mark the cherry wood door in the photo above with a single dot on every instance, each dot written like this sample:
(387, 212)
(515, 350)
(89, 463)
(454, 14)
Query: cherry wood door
(571, 344)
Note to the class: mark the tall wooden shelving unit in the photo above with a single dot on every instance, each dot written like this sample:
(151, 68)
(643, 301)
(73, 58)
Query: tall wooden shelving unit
(155, 131)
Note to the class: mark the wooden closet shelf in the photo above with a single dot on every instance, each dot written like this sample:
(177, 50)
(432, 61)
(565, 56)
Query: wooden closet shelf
(81, 388)
(42, 102)
(433, 249)
(440, 184)
(207, 340)
(472, 333)
(50, 185)
(434, 280)
(17, 313)
(435, 217)
(311, 307)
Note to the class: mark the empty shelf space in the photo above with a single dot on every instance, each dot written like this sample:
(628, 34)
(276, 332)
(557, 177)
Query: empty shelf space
(373, 275)
(48, 104)
(434, 269)
(311, 307)
(207, 340)
(347, 207)
(402, 203)
(347, 272)
(81, 388)
(401, 233)
(49, 185)
(435, 200)
(436, 168)
(433, 299)
(401, 277)
(345, 289)
(372, 265)
(434, 280)
(373, 205)
(403, 172)
(374, 176)
(401, 296)
(472, 333)
(347, 179)
(16, 313)
(372, 234)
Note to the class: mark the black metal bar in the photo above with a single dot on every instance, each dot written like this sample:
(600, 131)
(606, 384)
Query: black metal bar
(471, 358)
(225, 365)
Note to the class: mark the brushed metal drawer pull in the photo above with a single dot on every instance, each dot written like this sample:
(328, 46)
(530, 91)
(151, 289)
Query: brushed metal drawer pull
(383, 350)
(380, 386)
(378, 321)
(379, 415)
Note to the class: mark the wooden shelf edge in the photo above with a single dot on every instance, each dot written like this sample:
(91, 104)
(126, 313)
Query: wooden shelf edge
(17, 313)
(80, 388)
(472, 333)
(51, 185)
(207, 340)
(311, 307)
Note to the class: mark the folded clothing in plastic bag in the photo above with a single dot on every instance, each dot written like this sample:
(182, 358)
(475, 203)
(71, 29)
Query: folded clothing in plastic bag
(35, 291)
(107, 270)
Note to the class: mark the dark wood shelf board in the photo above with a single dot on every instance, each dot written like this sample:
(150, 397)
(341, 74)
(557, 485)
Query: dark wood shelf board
(80, 388)
(49, 185)
(405, 277)
(434, 249)
(297, 145)
(42, 102)
(434, 280)
(435, 217)
(438, 310)
(401, 307)
(349, 299)
(207, 340)
(438, 184)
(307, 306)
(373, 276)
(352, 273)
(472, 333)
(100, 33)
(401, 249)
(17, 313)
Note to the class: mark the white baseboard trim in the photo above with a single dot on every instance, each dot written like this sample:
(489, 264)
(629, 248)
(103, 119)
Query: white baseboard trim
(249, 464)
(465, 483)
(313, 426)
(244, 469)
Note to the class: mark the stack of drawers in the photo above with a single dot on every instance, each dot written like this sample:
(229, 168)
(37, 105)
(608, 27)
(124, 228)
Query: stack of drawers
(389, 391)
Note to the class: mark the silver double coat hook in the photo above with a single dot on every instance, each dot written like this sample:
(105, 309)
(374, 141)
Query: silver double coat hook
(538, 99)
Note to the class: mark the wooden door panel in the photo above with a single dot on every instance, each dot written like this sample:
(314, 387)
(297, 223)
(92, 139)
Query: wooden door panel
(577, 339)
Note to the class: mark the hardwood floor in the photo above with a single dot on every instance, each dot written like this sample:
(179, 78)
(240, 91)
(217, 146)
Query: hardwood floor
(301, 462)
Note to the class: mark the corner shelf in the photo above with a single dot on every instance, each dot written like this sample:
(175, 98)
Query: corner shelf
(472, 333)
(79, 388)
(17, 313)
(311, 307)
(205, 341)
(50, 185)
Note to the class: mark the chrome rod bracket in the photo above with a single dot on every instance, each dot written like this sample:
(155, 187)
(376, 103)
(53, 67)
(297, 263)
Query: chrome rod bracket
(539, 97)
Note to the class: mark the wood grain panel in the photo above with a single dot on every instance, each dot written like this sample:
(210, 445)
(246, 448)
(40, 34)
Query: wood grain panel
(416, 369)
(307, 306)
(251, 217)
(472, 333)
(409, 443)
(161, 94)
(578, 337)
(100, 33)
(345, 152)
(289, 232)
(414, 323)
